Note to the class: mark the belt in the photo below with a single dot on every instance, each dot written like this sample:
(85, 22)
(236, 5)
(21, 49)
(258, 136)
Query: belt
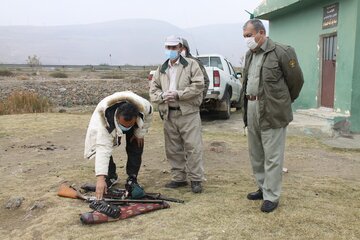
(174, 108)
(252, 98)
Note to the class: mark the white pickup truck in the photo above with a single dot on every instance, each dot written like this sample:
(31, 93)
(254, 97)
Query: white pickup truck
(224, 86)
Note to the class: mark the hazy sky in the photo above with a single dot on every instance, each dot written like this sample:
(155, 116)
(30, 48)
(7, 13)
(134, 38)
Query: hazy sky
(183, 13)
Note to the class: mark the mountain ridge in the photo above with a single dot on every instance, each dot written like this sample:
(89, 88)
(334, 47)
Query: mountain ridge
(117, 42)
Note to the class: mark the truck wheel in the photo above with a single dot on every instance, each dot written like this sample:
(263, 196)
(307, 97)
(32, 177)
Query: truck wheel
(226, 114)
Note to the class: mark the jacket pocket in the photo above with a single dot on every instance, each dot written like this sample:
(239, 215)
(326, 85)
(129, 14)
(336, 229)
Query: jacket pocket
(271, 71)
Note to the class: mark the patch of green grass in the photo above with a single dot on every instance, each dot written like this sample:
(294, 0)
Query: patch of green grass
(112, 76)
(6, 73)
(58, 75)
(2, 134)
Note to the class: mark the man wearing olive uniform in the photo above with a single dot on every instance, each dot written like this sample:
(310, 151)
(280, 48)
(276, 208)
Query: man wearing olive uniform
(272, 81)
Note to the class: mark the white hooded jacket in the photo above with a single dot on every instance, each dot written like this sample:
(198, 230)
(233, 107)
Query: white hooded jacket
(99, 142)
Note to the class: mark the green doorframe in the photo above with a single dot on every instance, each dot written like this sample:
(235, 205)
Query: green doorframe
(355, 90)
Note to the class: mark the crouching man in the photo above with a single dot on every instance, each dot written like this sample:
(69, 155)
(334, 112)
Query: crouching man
(118, 114)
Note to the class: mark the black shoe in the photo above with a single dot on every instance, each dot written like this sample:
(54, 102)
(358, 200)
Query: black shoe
(258, 195)
(130, 182)
(131, 179)
(111, 180)
(196, 187)
(174, 184)
(268, 206)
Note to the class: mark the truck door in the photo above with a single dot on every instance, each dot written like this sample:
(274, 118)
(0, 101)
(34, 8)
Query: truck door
(236, 82)
(233, 79)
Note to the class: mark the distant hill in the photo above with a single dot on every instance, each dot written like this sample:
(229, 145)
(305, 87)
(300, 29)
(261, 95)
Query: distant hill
(133, 41)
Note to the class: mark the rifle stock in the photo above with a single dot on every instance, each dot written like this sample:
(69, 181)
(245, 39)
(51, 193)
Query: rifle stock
(70, 192)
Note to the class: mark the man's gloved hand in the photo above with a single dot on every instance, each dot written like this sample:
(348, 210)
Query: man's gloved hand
(170, 96)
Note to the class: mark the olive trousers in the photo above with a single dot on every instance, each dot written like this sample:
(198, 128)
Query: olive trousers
(266, 152)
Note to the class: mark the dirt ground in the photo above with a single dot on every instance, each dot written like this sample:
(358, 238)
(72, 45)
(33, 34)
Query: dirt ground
(320, 200)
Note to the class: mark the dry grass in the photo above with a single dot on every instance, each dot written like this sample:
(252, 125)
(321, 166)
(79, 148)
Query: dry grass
(313, 205)
(24, 102)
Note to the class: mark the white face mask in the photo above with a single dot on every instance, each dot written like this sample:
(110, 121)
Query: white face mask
(250, 42)
(183, 53)
(124, 129)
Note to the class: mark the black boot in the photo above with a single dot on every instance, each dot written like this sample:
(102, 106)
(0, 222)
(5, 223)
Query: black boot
(196, 187)
(258, 195)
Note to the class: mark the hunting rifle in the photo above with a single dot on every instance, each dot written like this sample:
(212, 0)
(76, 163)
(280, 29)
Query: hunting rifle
(71, 192)
(117, 193)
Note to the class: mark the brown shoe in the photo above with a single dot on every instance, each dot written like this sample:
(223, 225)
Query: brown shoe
(174, 184)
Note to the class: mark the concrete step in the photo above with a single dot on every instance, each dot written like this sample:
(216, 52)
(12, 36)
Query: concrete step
(322, 113)
(318, 122)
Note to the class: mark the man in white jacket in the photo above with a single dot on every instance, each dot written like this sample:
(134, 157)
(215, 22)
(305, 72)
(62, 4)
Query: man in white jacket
(118, 114)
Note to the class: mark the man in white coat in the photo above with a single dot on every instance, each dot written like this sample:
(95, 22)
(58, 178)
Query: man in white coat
(118, 114)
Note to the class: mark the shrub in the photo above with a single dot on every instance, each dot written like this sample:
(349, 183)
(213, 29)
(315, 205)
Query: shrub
(88, 68)
(24, 102)
(33, 61)
(143, 74)
(5, 73)
(112, 76)
(58, 75)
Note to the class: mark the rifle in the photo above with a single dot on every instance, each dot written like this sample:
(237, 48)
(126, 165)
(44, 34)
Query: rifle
(71, 192)
(119, 193)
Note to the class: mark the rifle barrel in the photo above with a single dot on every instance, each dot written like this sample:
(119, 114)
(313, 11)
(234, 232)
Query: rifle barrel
(114, 201)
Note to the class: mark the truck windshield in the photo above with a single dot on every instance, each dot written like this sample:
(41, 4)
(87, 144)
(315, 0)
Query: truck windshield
(211, 62)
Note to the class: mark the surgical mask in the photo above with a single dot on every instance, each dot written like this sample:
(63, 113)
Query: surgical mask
(171, 54)
(183, 53)
(124, 129)
(250, 42)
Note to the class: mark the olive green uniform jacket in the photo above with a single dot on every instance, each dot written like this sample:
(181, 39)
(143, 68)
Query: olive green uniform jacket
(280, 83)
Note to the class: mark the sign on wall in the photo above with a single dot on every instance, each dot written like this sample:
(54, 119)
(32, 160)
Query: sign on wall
(330, 18)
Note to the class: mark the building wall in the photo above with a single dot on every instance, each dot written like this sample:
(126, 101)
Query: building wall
(302, 30)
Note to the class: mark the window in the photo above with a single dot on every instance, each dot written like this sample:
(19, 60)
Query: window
(211, 62)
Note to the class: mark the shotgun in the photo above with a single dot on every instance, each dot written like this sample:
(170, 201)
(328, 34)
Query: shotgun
(119, 193)
(71, 192)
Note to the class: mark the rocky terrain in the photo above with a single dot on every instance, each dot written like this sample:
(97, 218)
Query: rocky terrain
(79, 89)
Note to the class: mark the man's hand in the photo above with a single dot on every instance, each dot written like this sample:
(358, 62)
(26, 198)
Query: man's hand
(140, 141)
(170, 96)
(101, 187)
